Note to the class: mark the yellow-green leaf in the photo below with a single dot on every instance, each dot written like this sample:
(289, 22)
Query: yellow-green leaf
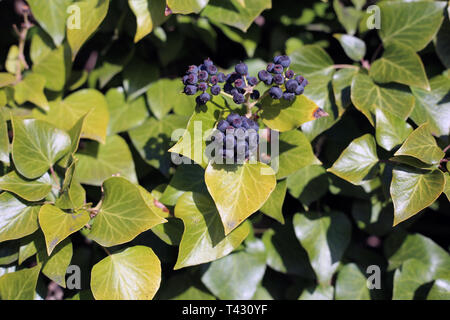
(31, 190)
(149, 14)
(31, 89)
(19, 285)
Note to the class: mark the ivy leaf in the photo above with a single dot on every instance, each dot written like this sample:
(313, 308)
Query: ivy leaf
(186, 6)
(400, 64)
(36, 146)
(356, 162)
(55, 266)
(4, 141)
(237, 276)
(71, 195)
(57, 225)
(98, 162)
(152, 139)
(308, 184)
(9, 253)
(283, 115)
(351, 284)
(442, 43)
(234, 14)
(183, 287)
(124, 115)
(91, 15)
(368, 96)
(413, 24)
(447, 185)
(239, 190)
(149, 14)
(31, 89)
(75, 136)
(295, 153)
(138, 77)
(65, 114)
(409, 278)
(19, 285)
(347, 16)
(17, 219)
(203, 238)
(123, 214)
(274, 205)
(191, 144)
(421, 144)
(31, 190)
(6, 79)
(342, 81)
(354, 47)
(325, 238)
(440, 290)
(51, 16)
(110, 278)
(412, 190)
(434, 106)
(390, 129)
(373, 216)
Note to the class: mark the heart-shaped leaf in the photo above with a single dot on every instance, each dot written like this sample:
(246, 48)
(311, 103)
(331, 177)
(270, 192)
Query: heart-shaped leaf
(55, 266)
(132, 274)
(239, 190)
(123, 214)
(37, 145)
(421, 144)
(58, 225)
(203, 238)
(31, 190)
(19, 285)
(413, 190)
(357, 161)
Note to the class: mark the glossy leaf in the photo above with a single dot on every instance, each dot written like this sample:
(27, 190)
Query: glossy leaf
(239, 190)
(19, 285)
(354, 47)
(132, 274)
(440, 290)
(351, 284)
(186, 6)
(390, 130)
(149, 14)
(31, 190)
(55, 266)
(411, 275)
(274, 205)
(31, 89)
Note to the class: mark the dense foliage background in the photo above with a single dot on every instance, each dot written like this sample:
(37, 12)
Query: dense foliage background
(86, 122)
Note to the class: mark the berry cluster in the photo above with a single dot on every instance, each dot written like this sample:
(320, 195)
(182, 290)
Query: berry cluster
(237, 138)
(278, 74)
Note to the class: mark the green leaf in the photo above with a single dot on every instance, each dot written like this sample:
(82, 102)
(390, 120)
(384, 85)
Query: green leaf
(354, 47)
(41, 45)
(237, 276)
(274, 205)
(189, 177)
(373, 216)
(239, 190)
(400, 64)
(412, 190)
(356, 162)
(57, 225)
(123, 214)
(308, 184)
(409, 278)
(368, 96)
(65, 114)
(138, 77)
(413, 24)
(295, 153)
(440, 290)
(17, 219)
(91, 15)
(55, 67)
(390, 129)
(447, 185)
(325, 238)
(191, 144)
(71, 195)
(98, 162)
(318, 293)
(4, 140)
(51, 16)
(183, 287)
(421, 144)
(19, 285)
(9, 253)
(55, 266)
(124, 115)
(348, 16)
(351, 284)
(342, 81)
(433, 106)
(186, 6)
(37, 145)
(75, 136)
(6, 79)
(284, 252)
(153, 138)
(204, 239)
(234, 14)
(31, 190)
(12, 60)
(283, 115)
(149, 14)
(442, 43)
(132, 274)
(31, 89)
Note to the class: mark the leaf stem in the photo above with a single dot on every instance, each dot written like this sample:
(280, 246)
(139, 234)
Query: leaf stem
(22, 33)
(55, 177)
(446, 148)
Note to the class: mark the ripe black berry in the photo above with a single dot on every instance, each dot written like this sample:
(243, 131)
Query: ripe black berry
(252, 81)
(239, 83)
(255, 95)
(285, 61)
(270, 67)
(190, 90)
(242, 69)
(278, 69)
(203, 98)
(203, 75)
(290, 74)
(278, 79)
(192, 69)
(215, 90)
(212, 70)
(221, 77)
(289, 96)
(238, 98)
(291, 85)
(275, 93)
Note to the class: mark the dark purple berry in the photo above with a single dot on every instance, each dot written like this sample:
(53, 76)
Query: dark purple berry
(202, 67)
(238, 98)
(222, 125)
(291, 85)
(299, 90)
(253, 125)
(285, 61)
(185, 80)
(270, 67)
(289, 96)
(242, 69)
(213, 80)
(203, 98)
(203, 75)
(278, 69)
(228, 87)
(277, 59)
(305, 82)
(232, 116)
(237, 123)
(255, 95)
(202, 86)
(278, 79)
(299, 79)
(275, 93)
(212, 70)
(208, 62)
(192, 78)
(234, 91)
(215, 90)
(239, 83)
(192, 69)
(290, 74)
(252, 81)
(263, 75)
(221, 77)
(190, 90)
(245, 124)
